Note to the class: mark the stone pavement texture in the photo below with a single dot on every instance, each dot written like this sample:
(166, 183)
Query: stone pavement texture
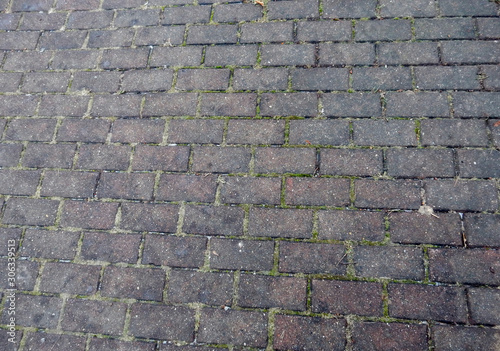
(195, 175)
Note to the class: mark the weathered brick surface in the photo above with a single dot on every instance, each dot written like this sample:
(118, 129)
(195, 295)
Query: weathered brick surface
(247, 255)
(481, 229)
(106, 157)
(404, 194)
(149, 217)
(444, 28)
(417, 53)
(470, 52)
(465, 195)
(420, 163)
(24, 211)
(287, 55)
(351, 225)
(276, 160)
(188, 187)
(264, 79)
(385, 132)
(133, 186)
(255, 132)
(167, 158)
(410, 104)
(126, 105)
(13, 182)
(479, 163)
(70, 278)
(176, 56)
(285, 104)
(180, 104)
(463, 132)
(455, 337)
(389, 336)
(237, 12)
(352, 105)
(133, 283)
(241, 55)
(44, 341)
(207, 288)
(419, 8)
(347, 9)
(311, 258)
(87, 130)
(484, 306)
(381, 78)
(476, 104)
(242, 104)
(317, 191)
(96, 81)
(340, 162)
(174, 251)
(221, 159)
(293, 9)
(215, 220)
(89, 215)
(114, 344)
(386, 30)
(322, 132)
(291, 223)
(255, 190)
(220, 34)
(50, 244)
(49, 156)
(266, 32)
(40, 311)
(30, 129)
(137, 131)
(111, 247)
(202, 79)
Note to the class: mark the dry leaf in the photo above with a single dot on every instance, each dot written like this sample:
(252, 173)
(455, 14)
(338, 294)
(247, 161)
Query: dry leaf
(496, 124)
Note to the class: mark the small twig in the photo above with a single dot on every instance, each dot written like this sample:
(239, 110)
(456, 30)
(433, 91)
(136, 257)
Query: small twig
(345, 254)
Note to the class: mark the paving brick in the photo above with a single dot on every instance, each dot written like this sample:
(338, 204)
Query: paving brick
(7, 234)
(262, 79)
(420, 163)
(44, 342)
(89, 20)
(311, 258)
(473, 8)
(186, 187)
(18, 182)
(18, 105)
(308, 333)
(492, 77)
(89, 215)
(172, 347)
(186, 14)
(381, 78)
(468, 195)
(455, 77)
(202, 79)
(482, 229)
(27, 60)
(70, 278)
(317, 191)
(96, 81)
(479, 163)
(346, 54)
(74, 59)
(255, 131)
(287, 104)
(324, 31)
(18, 40)
(488, 28)
(87, 130)
(391, 133)
(237, 12)
(454, 133)
(210, 220)
(415, 228)
(125, 58)
(176, 56)
(247, 255)
(121, 4)
(10, 154)
(449, 338)
(383, 30)
(30, 129)
(125, 105)
(133, 186)
(281, 160)
(351, 225)
(469, 104)
(98, 317)
(325, 79)
(159, 35)
(239, 55)
(207, 288)
(62, 40)
(26, 274)
(495, 131)
(174, 251)
(287, 55)
(389, 336)
(63, 105)
(417, 53)
(469, 52)
(149, 217)
(110, 38)
(400, 8)
(77, 5)
(129, 18)
(404, 194)
(147, 80)
(348, 9)
(415, 301)
(46, 155)
(254, 190)
(42, 21)
(105, 157)
(178, 104)
(484, 305)
(389, 262)
(36, 311)
(293, 9)
(267, 292)
(212, 34)
(239, 104)
(340, 162)
(111, 247)
(114, 344)
(137, 131)
(352, 105)
(216, 159)
(473, 266)
(133, 283)
(9, 21)
(50, 244)
(444, 28)
(266, 32)
(165, 158)
(24, 211)
(319, 132)
(283, 223)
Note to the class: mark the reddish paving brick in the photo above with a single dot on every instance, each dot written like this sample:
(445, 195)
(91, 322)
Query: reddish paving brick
(89, 215)
(420, 163)
(63, 105)
(44, 342)
(482, 229)
(381, 78)
(111, 247)
(479, 163)
(186, 187)
(207, 288)
(319, 132)
(174, 251)
(126, 105)
(233, 327)
(165, 158)
(352, 105)
(179, 104)
(103, 157)
(221, 104)
(389, 336)
(14, 182)
(484, 305)
(133, 283)
(247, 255)
(351, 162)
(213, 220)
(149, 217)
(10, 154)
(308, 333)
(266, 32)
(176, 56)
(36, 311)
(162, 322)
(48, 156)
(137, 131)
(351, 225)
(463, 195)
(253, 190)
(69, 184)
(415, 301)
(96, 81)
(312, 258)
(473, 266)
(70, 278)
(387, 194)
(202, 79)
(333, 296)
(203, 131)
(317, 191)
(262, 79)
(114, 344)
(281, 223)
(171, 347)
(267, 292)
(215, 159)
(26, 275)
(240, 55)
(49, 244)
(448, 338)
(24, 211)
(133, 186)
(255, 132)
(392, 132)
(125, 58)
(289, 104)
(30, 129)
(278, 160)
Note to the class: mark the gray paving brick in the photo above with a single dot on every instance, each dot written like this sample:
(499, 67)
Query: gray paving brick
(44, 341)
(311, 258)
(10, 154)
(247, 255)
(473, 8)
(41, 311)
(124, 105)
(89, 20)
(492, 77)
(481, 229)
(48, 156)
(452, 337)
(410, 104)
(324, 31)
(201, 131)
(9, 21)
(105, 157)
(279, 160)
(69, 278)
(77, 5)
(468, 104)
(149, 217)
(402, 194)
(420, 163)
(289, 104)
(137, 131)
(62, 40)
(325, 79)
(114, 4)
(89, 215)
(467, 195)
(352, 105)
(282, 223)
(255, 132)
(186, 14)
(240, 55)
(381, 78)
(223, 104)
(166, 158)
(160, 35)
(25, 211)
(133, 186)
(129, 18)
(211, 34)
(237, 12)
(30, 129)
(459, 132)
(416, 53)
(470, 52)
(214, 220)
(293, 9)
(444, 28)
(174, 251)
(96, 81)
(166, 104)
(317, 191)
(208, 288)
(319, 132)
(87, 130)
(253, 190)
(484, 306)
(125, 58)
(390, 133)
(133, 283)
(63, 105)
(262, 79)
(176, 56)
(346, 54)
(266, 32)
(479, 163)
(351, 162)
(97, 344)
(351, 225)
(348, 9)
(401, 8)
(31, 5)
(18, 182)
(202, 79)
(488, 28)
(27, 60)
(42, 21)
(18, 105)
(101, 246)
(74, 59)
(385, 30)
(18, 40)
(289, 55)
(445, 78)
(69, 184)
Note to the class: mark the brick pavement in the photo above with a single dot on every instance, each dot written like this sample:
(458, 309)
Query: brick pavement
(195, 175)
